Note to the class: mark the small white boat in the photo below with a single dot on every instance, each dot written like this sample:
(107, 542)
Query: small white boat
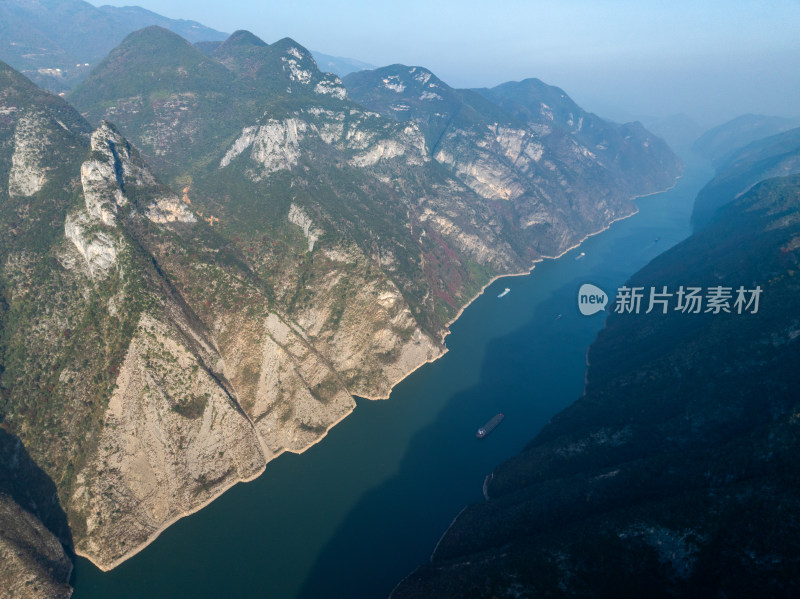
(579, 256)
(505, 292)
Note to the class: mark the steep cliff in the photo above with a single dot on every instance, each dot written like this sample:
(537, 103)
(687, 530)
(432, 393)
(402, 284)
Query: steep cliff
(141, 392)
(526, 143)
(774, 156)
(34, 564)
(675, 474)
(176, 318)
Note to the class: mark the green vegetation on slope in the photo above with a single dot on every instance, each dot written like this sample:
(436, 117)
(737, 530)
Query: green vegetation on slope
(675, 474)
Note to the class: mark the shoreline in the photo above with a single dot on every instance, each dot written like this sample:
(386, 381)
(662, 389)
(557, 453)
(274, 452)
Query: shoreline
(157, 532)
(556, 257)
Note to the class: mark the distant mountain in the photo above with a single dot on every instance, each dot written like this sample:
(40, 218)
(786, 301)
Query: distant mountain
(234, 248)
(774, 156)
(680, 131)
(527, 143)
(722, 142)
(626, 150)
(338, 65)
(326, 63)
(135, 17)
(675, 474)
(56, 42)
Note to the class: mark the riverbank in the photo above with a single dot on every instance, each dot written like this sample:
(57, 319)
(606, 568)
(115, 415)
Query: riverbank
(223, 489)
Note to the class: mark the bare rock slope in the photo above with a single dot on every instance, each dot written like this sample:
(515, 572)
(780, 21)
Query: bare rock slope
(182, 309)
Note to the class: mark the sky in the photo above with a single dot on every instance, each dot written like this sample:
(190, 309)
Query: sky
(710, 59)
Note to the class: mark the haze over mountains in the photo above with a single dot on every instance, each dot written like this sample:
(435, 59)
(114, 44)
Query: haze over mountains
(211, 245)
(203, 268)
(674, 475)
(721, 142)
(773, 156)
(56, 43)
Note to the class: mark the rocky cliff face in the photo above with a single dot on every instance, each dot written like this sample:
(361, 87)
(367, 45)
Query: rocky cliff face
(35, 565)
(35, 542)
(163, 392)
(674, 475)
(159, 347)
(526, 144)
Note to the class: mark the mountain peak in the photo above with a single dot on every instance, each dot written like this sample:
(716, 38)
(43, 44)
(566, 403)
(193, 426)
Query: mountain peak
(242, 37)
(288, 46)
(153, 34)
(150, 60)
(400, 82)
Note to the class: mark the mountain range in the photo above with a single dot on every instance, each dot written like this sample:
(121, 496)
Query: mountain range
(56, 43)
(219, 246)
(674, 475)
(774, 156)
(721, 142)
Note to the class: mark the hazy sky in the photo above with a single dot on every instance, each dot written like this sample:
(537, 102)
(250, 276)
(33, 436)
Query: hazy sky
(711, 59)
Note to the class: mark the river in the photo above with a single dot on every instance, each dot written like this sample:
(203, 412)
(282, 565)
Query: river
(357, 512)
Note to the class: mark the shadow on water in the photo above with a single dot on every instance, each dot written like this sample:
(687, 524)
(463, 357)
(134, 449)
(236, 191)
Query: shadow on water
(31, 488)
(529, 374)
(526, 375)
(357, 512)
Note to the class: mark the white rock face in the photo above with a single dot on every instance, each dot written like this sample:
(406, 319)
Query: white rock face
(422, 77)
(274, 146)
(96, 246)
(482, 173)
(393, 83)
(99, 183)
(293, 68)
(169, 210)
(468, 242)
(382, 150)
(426, 95)
(103, 178)
(117, 153)
(27, 175)
(91, 229)
(244, 141)
(331, 87)
(298, 217)
(490, 163)
(410, 143)
(295, 52)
